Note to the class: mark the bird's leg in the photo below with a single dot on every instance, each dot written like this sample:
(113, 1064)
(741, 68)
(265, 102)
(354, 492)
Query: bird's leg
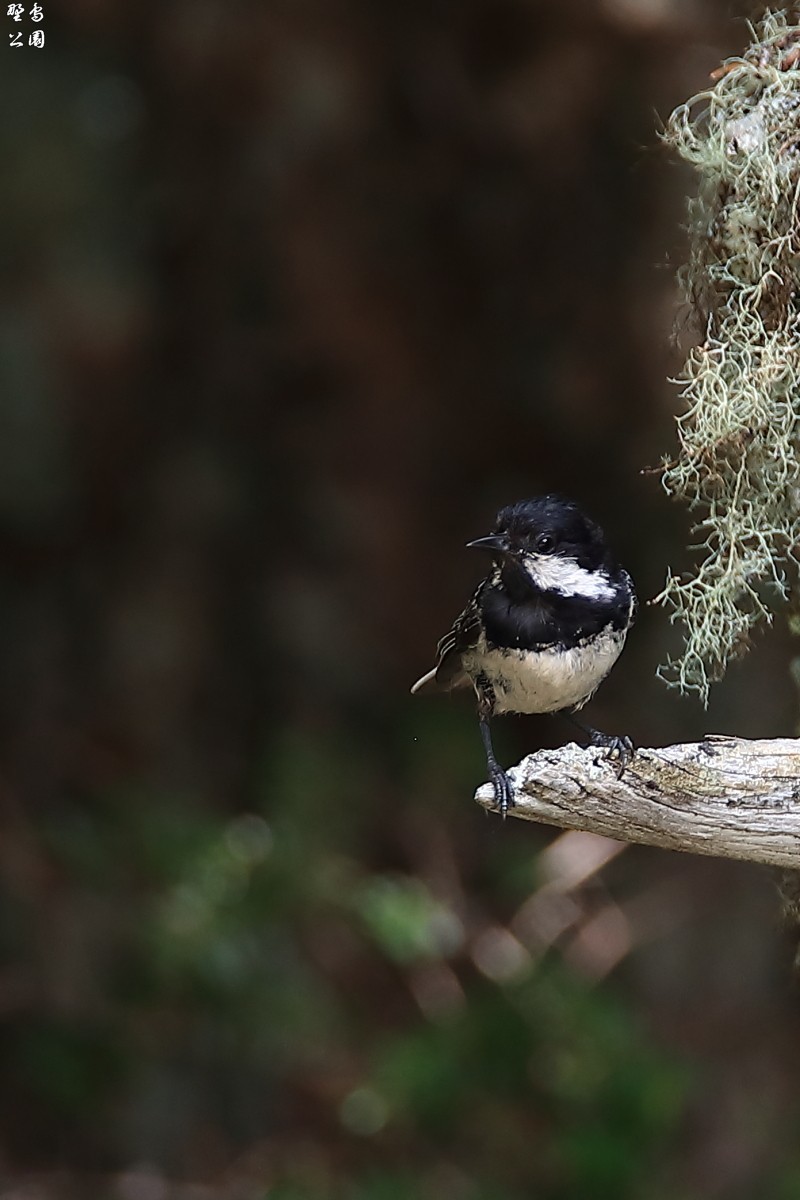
(503, 791)
(619, 748)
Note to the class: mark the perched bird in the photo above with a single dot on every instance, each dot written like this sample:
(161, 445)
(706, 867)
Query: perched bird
(544, 628)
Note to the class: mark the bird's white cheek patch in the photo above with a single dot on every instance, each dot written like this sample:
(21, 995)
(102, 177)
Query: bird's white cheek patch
(566, 577)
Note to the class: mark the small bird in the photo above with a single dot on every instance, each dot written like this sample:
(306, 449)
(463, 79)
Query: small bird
(545, 627)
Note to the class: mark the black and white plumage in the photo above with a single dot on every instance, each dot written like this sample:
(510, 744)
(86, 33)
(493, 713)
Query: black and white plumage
(543, 630)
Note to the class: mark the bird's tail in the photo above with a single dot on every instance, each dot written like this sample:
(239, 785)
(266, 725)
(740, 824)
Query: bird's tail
(424, 681)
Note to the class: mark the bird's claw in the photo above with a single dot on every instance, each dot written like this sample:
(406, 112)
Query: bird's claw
(620, 749)
(503, 790)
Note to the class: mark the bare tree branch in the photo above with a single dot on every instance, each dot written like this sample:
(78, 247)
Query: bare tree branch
(722, 796)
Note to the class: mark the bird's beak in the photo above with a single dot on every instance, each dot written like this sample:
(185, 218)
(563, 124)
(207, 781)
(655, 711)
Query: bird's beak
(495, 543)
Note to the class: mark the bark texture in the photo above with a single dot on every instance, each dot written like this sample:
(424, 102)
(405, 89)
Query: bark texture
(722, 796)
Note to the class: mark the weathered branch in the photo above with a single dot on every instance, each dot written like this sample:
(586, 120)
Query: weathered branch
(721, 796)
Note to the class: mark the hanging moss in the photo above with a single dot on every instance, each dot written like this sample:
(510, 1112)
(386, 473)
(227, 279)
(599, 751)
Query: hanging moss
(737, 466)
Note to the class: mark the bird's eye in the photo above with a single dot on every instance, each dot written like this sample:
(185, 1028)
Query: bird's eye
(545, 543)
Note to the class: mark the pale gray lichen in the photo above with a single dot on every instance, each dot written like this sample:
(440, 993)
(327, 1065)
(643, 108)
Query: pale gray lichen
(737, 466)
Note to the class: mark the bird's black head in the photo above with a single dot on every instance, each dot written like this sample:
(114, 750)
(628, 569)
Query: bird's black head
(551, 545)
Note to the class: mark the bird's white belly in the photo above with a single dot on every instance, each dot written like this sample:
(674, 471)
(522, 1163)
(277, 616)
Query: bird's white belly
(541, 681)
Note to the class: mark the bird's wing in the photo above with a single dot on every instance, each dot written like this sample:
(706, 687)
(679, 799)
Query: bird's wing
(464, 634)
(634, 601)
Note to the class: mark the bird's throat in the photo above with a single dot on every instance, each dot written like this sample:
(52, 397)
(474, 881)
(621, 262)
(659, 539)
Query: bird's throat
(517, 582)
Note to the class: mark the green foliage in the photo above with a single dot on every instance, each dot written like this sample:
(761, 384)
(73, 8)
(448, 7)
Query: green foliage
(405, 919)
(737, 466)
(540, 1064)
(229, 984)
(68, 1066)
(234, 948)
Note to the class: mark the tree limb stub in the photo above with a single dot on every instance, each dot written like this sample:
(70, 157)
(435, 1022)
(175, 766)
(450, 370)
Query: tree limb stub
(722, 796)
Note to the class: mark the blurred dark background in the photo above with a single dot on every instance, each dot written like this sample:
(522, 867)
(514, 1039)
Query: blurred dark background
(295, 295)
